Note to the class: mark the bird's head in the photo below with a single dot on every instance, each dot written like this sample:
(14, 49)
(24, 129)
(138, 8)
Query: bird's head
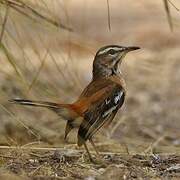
(108, 58)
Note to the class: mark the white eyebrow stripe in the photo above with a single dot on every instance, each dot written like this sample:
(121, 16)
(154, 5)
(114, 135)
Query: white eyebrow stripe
(107, 49)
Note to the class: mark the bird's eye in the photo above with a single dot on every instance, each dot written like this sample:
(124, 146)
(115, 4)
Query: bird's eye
(111, 51)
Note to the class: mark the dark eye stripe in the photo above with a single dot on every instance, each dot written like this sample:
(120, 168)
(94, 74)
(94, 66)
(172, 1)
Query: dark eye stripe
(111, 51)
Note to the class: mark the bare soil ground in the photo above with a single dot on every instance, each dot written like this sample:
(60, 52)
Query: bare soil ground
(69, 164)
(42, 62)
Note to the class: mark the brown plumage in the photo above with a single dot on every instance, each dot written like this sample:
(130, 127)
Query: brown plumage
(99, 102)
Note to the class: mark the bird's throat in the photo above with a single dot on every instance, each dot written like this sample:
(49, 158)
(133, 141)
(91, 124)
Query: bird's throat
(101, 71)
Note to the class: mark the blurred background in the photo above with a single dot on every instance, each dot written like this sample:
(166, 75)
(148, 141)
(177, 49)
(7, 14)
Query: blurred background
(41, 60)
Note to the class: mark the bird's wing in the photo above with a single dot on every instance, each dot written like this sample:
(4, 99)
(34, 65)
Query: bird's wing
(101, 110)
(97, 85)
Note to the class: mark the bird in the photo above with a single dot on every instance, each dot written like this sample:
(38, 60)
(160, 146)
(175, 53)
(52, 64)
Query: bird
(99, 102)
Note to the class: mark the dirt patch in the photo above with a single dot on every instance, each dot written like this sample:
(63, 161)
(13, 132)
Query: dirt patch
(73, 164)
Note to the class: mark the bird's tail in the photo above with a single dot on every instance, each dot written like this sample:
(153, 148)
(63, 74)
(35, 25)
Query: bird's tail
(63, 110)
(26, 102)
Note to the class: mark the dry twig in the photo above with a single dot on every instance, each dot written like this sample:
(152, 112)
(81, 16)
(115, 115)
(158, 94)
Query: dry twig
(155, 144)
(4, 23)
(174, 5)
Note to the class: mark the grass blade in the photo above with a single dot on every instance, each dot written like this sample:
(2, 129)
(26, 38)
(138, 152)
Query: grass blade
(109, 18)
(10, 59)
(169, 18)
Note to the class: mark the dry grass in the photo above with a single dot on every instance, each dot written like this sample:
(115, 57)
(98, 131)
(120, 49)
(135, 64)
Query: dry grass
(46, 62)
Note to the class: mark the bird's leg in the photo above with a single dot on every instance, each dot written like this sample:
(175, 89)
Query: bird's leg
(89, 154)
(93, 145)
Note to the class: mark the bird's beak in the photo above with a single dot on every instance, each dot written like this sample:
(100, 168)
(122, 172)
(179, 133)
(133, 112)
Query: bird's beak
(131, 48)
(123, 53)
